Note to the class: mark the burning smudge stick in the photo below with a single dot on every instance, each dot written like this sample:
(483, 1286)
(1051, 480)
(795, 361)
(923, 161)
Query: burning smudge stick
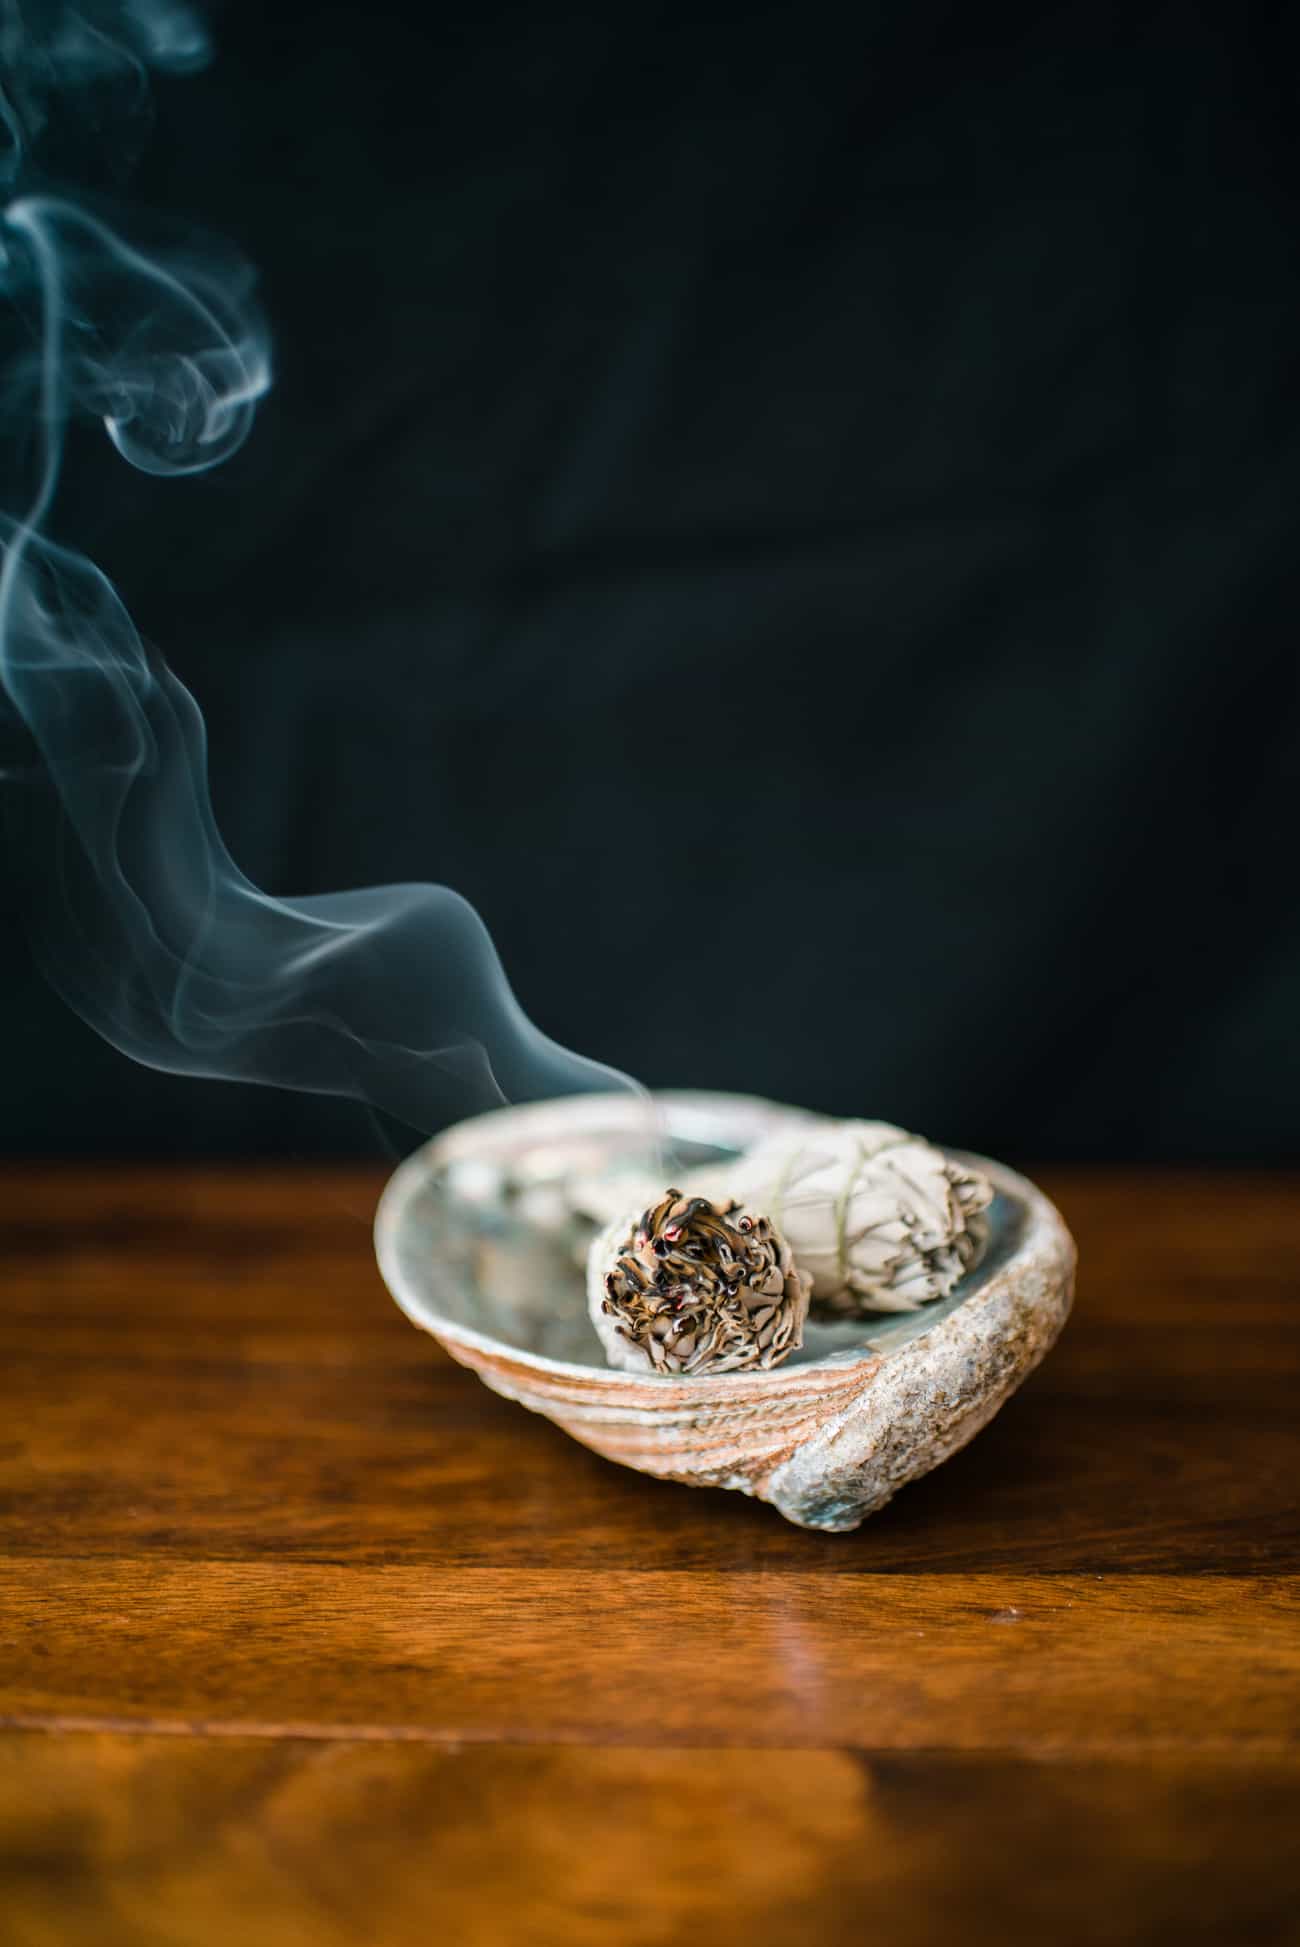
(692, 1287)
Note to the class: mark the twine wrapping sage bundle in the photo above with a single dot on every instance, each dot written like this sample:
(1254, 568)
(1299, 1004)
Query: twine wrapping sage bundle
(880, 1220)
(692, 1287)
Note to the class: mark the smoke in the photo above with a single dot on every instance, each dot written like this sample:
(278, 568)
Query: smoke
(138, 915)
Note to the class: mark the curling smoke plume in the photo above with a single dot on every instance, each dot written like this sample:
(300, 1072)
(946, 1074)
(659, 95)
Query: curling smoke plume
(139, 916)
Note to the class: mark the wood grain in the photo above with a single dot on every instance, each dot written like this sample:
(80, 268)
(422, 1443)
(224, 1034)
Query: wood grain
(1010, 1662)
(281, 1844)
(306, 1636)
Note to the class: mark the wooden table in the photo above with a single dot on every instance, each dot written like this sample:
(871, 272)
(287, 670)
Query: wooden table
(307, 1638)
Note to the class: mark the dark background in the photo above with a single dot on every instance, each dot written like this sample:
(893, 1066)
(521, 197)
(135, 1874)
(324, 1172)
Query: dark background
(793, 513)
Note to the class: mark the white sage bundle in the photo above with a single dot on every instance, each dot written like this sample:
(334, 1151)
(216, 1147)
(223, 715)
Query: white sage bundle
(880, 1220)
(691, 1287)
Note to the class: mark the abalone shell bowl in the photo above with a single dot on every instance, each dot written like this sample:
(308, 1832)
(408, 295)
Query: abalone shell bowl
(478, 1243)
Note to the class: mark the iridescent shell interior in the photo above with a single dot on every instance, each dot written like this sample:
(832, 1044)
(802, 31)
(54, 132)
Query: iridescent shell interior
(488, 1242)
